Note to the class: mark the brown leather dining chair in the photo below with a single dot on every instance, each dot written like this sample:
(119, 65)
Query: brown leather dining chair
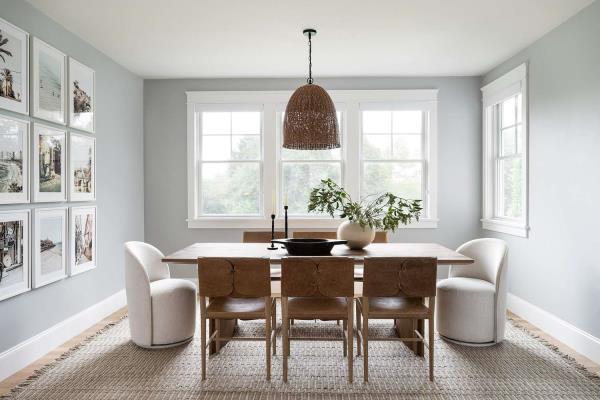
(237, 288)
(394, 288)
(317, 288)
(380, 236)
(260, 236)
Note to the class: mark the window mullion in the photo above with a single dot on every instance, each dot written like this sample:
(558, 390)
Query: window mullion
(270, 157)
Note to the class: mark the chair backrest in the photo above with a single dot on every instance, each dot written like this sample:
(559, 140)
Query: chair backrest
(317, 277)
(399, 277)
(380, 237)
(490, 258)
(144, 256)
(260, 236)
(234, 277)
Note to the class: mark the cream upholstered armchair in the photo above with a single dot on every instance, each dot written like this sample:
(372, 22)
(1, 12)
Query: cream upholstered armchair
(162, 311)
(471, 303)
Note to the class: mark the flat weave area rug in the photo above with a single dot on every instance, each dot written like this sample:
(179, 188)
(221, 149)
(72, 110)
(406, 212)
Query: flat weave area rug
(109, 366)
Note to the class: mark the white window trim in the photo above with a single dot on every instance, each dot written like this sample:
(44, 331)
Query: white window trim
(271, 102)
(513, 82)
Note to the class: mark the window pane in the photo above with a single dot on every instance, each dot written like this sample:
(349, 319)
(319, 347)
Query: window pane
(216, 148)
(511, 182)
(403, 179)
(289, 154)
(377, 121)
(508, 112)
(245, 147)
(300, 178)
(519, 108)
(376, 147)
(216, 123)
(407, 121)
(247, 123)
(230, 188)
(508, 142)
(407, 147)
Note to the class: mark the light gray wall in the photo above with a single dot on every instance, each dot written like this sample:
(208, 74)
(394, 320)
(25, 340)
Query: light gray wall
(119, 185)
(557, 268)
(459, 147)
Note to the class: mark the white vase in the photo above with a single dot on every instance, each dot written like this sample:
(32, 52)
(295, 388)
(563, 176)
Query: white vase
(357, 237)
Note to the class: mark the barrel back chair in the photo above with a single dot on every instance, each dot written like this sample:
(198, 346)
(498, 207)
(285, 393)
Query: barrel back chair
(317, 288)
(472, 301)
(162, 310)
(236, 288)
(395, 288)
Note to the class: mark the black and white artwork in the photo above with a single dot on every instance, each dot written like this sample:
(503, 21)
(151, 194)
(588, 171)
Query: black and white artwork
(14, 253)
(14, 79)
(49, 89)
(82, 82)
(82, 167)
(14, 151)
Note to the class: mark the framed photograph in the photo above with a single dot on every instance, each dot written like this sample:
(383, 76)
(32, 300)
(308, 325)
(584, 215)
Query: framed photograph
(14, 253)
(82, 167)
(49, 245)
(49, 164)
(82, 89)
(82, 243)
(14, 78)
(49, 90)
(14, 160)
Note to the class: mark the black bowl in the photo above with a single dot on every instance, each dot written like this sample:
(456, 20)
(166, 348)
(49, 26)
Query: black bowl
(309, 247)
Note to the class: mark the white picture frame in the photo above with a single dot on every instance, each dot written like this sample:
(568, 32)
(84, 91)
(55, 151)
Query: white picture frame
(14, 57)
(49, 246)
(48, 82)
(14, 160)
(82, 106)
(15, 269)
(82, 167)
(83, 243)
(49, 149)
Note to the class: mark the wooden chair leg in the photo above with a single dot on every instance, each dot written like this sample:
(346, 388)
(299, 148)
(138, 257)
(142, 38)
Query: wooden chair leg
(203, 335)
(431, 326)
(350, 339)
(345, 336)
(414, 335)
(292, 321)
(365, 335)
(274, 326)
(358, 322)
(284, 339)
(268, 335)
(218, 342)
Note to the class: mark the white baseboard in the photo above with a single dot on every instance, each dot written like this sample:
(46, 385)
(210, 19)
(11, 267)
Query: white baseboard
(23, 354)
(579, 340)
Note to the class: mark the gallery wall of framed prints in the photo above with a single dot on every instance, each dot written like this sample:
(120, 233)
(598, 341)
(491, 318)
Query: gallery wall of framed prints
(47, 155)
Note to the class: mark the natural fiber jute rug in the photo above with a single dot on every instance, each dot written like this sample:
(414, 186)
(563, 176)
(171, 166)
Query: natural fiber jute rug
(109, 366)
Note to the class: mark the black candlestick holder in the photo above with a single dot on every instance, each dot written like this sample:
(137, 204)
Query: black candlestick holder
(272, 247)
(285, 210)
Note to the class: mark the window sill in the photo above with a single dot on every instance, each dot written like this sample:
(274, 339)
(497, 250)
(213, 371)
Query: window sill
(293, 223)
(509, 227)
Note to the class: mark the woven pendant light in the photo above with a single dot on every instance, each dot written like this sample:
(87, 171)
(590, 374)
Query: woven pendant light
(310, 121)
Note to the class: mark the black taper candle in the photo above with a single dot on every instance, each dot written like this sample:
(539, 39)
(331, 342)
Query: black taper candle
(272, 247)
(285, 210)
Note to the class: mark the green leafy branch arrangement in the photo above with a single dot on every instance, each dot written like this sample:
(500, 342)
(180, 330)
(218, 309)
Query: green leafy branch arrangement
(386, 211)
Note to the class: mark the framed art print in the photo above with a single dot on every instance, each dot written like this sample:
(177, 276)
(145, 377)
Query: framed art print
(14, 253)
(14, 160)
(14, 78)
(82, 89)
(49, 67)
(82, 232)
(49, 245)
(49, 164)
(82, 167)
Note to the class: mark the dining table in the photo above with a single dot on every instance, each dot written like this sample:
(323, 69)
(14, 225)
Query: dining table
(189, 256)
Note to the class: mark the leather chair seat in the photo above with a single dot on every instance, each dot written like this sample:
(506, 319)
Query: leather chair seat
(324, 308)
(173, 310)
(390, 307)
(222, 307)
(466, 309)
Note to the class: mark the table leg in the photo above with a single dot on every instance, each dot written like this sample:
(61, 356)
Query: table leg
(227, 328)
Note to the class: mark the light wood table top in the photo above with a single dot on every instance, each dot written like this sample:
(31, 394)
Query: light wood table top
(190, 254)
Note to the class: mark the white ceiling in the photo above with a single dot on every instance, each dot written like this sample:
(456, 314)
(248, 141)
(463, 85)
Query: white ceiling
(261, 38)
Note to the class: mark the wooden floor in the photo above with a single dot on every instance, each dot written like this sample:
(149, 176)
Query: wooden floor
(10, 382)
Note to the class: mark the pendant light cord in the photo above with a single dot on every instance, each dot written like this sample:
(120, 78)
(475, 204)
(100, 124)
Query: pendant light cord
(310, 79)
